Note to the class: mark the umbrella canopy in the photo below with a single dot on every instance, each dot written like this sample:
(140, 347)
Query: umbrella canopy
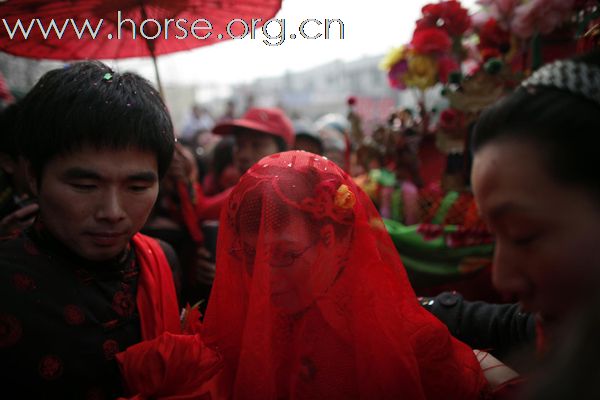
(114, 29)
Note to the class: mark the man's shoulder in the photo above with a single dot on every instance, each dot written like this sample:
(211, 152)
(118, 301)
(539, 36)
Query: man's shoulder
(20, 262)
(17, 249)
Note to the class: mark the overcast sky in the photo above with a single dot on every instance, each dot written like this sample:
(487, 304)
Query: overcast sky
(371, 27)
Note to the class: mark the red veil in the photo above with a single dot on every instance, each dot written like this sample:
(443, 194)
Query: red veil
(311, 300)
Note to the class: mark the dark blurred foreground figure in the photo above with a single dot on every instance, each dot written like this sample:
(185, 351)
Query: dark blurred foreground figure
(82, 284)
(179, 218)
(536, 181)
(17, 206)
(311, 300)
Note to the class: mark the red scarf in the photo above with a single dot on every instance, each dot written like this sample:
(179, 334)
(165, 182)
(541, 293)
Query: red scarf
(156, 296)
(168, 364)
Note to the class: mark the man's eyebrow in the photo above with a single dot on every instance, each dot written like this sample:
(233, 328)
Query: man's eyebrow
(83, 173)
(146, 176)
(80, 173)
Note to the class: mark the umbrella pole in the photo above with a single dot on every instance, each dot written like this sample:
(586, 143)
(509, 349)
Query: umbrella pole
(157, 74)
(150, 45)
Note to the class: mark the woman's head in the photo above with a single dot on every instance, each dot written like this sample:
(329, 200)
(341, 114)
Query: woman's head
(537, 186)
(288, 228)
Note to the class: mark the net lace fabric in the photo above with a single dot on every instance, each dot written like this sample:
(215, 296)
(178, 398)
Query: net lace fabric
(311, 300)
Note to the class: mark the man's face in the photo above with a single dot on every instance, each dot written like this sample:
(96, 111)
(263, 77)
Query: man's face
(94, 201)
(547, 233)
(251, 146)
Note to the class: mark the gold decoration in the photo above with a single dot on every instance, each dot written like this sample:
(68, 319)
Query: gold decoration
(344, 198)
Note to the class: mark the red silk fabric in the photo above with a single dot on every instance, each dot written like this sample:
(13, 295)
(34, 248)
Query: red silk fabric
(170, 363)
(189, 213)
(311, 300)
(156, 295)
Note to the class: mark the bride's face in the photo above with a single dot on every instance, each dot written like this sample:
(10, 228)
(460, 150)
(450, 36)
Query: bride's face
(301, 260)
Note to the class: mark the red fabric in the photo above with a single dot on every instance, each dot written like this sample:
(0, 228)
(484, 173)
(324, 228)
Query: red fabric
(210, 207)
(200, 208)
(311, 300)
(171, 363)
(169, 367)
(70, 47)
(156, 296)
(188, 212)
(431, 161)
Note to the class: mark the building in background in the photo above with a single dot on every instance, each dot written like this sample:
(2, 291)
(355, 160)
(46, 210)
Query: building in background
(325, 89)
(22, 73)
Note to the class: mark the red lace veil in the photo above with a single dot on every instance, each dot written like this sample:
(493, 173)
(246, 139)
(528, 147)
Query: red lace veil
(311, 300)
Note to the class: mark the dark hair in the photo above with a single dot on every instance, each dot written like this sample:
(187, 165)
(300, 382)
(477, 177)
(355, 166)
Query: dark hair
(88, 104)
(313, 139)
(562, 124)
(8, 138)
(222, 155)
(281, 144)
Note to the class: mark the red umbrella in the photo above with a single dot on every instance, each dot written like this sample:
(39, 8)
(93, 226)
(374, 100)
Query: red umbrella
(89, 29)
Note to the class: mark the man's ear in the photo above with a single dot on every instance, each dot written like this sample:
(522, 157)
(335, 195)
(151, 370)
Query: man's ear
(32, 179)
(327, 234)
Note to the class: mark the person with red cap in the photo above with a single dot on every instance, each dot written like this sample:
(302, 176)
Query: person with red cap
(259, 133)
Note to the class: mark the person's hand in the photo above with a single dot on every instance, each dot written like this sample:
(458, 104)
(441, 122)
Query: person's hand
(496, 372)
(204, 267)
(183, 167)
(19, 219)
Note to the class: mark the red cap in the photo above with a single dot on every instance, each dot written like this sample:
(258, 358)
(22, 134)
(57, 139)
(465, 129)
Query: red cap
(272, 121)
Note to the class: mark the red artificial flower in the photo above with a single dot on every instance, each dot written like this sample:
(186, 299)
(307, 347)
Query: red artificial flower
(452, 121)
(446, 65)
(492, 36)
(396, 74)
(447, 15)
(489, 52)
(430, 40)
(169, 367)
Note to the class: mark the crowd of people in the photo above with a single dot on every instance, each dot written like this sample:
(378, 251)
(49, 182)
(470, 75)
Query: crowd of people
(311, 260)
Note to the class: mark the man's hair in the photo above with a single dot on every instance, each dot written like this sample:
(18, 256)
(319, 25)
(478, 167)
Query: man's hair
(88, 104)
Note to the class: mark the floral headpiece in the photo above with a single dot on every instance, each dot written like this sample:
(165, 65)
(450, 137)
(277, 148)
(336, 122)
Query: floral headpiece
(578, 78)
(331, 200)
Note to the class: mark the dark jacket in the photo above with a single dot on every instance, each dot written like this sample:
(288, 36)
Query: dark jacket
(501, 329)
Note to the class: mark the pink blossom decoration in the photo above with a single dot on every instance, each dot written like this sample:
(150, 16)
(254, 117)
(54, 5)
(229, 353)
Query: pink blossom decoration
(541, 16)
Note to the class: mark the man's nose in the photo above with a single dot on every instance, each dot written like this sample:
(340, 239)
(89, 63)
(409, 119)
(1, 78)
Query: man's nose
(507, 274)
(110, 207)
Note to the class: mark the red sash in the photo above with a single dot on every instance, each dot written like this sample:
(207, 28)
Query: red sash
(156, 296)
